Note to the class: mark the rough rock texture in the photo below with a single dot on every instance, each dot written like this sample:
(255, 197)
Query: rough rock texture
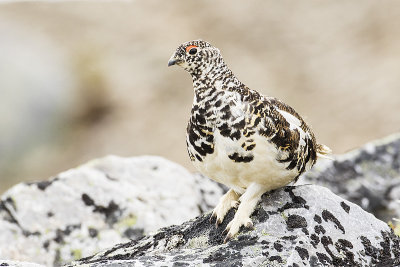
(294, 226)
(369, 176)
(19, 264)
(112, 200)
(95, 206)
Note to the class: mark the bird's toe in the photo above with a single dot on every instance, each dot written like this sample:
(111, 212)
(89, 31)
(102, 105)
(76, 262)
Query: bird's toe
(233, 227)
(234, 204)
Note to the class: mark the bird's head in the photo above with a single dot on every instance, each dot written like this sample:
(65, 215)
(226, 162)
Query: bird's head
(196, 57)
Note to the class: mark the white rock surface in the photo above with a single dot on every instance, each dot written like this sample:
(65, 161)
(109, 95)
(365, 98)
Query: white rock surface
(97, 205)
(19, 264)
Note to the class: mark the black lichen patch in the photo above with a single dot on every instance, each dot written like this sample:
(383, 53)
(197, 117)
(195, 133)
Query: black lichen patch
(319, 229)
(112, 212)
(87, 200)
(383, 255)
(296, 221)
(60, 234)
(303, 253)
(46, 245)
(225, 256)
(344, 247)
(216, 235)
(43, 185)
(345, 206)
(327, 216)
(8, 205)
(305, 231)
(265, 253)
(139, 250)
(276, 258)
(324, 259)
(260, 214)
(198, 227)
(93, 232)
(242, 241)
(297, 201)
(315, 240)
(343, 243)
(180, 264)
(317, 218)
(326, 240)
(265, 248)
(168, 233)
(27, 233)
(278, 246)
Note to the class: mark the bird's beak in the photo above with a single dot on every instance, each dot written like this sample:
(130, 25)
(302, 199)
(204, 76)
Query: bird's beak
(174, 61)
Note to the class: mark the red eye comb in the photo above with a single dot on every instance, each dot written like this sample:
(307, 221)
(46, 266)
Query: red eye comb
(190, 47)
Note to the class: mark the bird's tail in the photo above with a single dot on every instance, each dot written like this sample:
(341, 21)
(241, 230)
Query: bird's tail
(323, 151)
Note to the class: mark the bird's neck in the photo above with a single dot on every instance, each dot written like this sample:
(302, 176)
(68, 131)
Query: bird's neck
(213, 80)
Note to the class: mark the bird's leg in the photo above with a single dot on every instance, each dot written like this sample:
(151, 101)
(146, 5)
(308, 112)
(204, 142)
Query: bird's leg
(226, 202)
(248, 202)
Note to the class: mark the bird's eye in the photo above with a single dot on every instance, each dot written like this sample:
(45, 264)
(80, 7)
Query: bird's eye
(191, 49)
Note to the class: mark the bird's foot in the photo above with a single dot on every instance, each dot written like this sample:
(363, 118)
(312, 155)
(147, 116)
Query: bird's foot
(221, 210)
(233, 227)
(248, 202)
(227, 201)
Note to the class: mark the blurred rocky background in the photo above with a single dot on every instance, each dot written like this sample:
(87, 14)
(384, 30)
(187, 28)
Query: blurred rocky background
(80, 80)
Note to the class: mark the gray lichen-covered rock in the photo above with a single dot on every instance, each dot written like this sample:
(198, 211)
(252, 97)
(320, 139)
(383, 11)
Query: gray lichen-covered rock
(102, 203)
(368, 176)
(294, 226)
(19, 264)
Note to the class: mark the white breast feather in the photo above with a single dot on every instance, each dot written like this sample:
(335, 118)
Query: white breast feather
(264, 169)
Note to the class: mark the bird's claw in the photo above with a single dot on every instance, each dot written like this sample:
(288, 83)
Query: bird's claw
(227, 238)
(218, 221)
(233, 228)
(249, 225)
(213, 215)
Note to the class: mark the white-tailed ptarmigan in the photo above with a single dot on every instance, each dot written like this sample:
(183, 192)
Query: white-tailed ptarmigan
(238, 137)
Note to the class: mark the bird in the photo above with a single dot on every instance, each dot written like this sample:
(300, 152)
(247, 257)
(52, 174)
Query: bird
(238, 137)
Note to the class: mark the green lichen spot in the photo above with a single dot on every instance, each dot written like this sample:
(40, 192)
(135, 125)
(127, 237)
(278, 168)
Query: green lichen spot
(198, 242)
(76, 253)
(128, 221)
(264, 233)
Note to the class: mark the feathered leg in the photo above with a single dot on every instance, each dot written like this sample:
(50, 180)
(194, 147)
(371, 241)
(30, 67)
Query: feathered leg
(248, 202)
(226, 202)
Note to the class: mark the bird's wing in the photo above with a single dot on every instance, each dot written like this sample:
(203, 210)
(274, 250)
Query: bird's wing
(282, 126)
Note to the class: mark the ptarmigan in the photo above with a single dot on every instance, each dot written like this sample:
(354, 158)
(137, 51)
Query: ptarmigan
(238, 137)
